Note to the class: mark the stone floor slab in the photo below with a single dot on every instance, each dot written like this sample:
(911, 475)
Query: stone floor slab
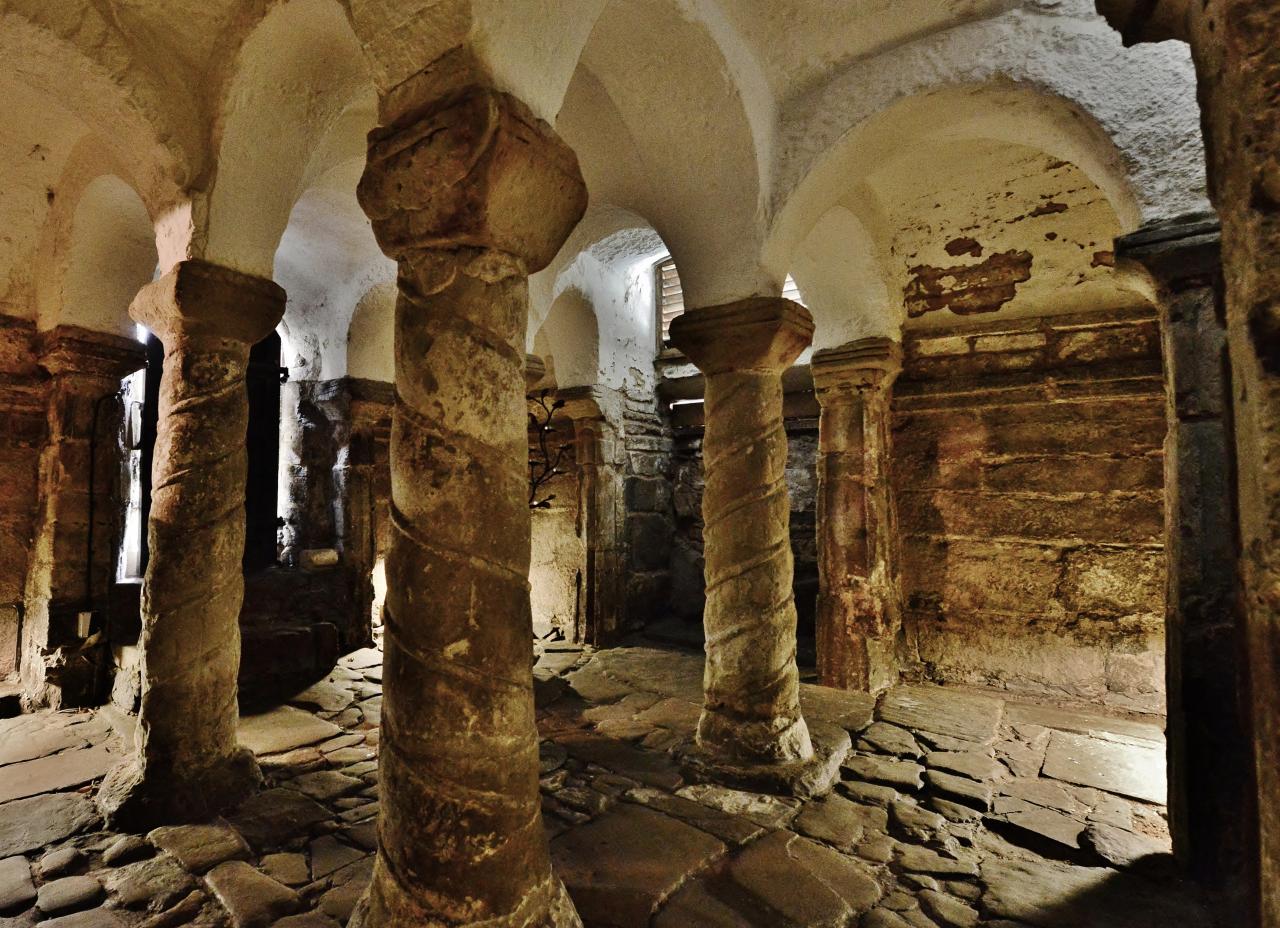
(944, 711)
(622, 865)
(283, 729)
(1135, 769)
(200, 847)
(252, 899)
(29, 824)
(804, 882)
(17, 891)
(56, 772)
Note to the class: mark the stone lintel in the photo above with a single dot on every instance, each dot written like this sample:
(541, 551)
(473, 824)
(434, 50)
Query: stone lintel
(198, 299)
(69, 349)
(762, 334)
(472, 169)
(868, 363)
(1178, 253)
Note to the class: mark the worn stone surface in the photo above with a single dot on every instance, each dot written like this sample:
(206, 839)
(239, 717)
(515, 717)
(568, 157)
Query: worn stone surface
(253, 899)
(58, 862)
(1130, 768)
(1121, 847)
(619, 867)
(199, 847)
(59, 771)
(825, 889)
(283, 729)
(32, 823)
(272, 818)
(900, 774)
(68, 894)
(16, 889)
(965, 716)
(751, 710)
(154, 883)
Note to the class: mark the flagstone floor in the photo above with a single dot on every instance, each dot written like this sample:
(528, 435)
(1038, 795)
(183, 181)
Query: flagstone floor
(957, 808)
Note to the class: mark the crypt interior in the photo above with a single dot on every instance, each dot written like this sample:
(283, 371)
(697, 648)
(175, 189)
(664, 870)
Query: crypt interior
(760, 463)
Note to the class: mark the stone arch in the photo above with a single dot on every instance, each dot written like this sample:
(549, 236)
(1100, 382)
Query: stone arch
(568, 341)
(371, 336)
(297, 105)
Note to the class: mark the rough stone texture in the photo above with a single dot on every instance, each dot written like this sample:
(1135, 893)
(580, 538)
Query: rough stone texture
(154, 883)
(450, 186)
(619, 867)
(16, 889)
(55, 772)
(1131, 768)
(200, 847)
(273, 818)
(859, 612)
(1029, 490)
(824, 888)
(968, 717)
(28, 824)
(68, 894)
(188, 763)
(85, 369)
(751, 712)
(253, 899)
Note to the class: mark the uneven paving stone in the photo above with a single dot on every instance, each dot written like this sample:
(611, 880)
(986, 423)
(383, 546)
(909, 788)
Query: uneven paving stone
(200, 847)
(901, 774)
(68, 894)
(1122, 848)
(763, 809)
(1021, 715)
(328, 855)
(620, 866)
(584, 799)
(915, 859)
(17, 891)
(56, 863)
(672, 713)
(947, 911)
(971, 764)
(883, 738)
(1023, 759)
(1133, 768)
(273, 818)
(349, 885)
(94, 918)
(283, 729)
(1036, 820)
(961, 789)
(825, 705)
(693, 904)
(805, 882)
(327, 696)
(868, 793)
(883, 918)
(877, 849)
(966, 716)
(183, 912)
(124, 849)
(253, 899)
(371, 710)
(726, 827)
(648, 767)
(156, 883)
(1048, 894)
(57, 772)
(551, 757)
(287, 867)
(30, 745)
(324, 785)
(954, 811)
(362, 659)
(909, 821)
(30, 824)
(315, 919)
(834, 820)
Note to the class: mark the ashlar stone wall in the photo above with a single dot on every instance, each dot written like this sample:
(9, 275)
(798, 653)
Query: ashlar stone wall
(1027, 466)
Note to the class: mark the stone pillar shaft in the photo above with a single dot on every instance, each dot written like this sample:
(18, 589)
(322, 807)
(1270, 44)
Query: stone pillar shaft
(859, 608)
(78, 471)
(751, 712)
(189, 763)
(470, 193)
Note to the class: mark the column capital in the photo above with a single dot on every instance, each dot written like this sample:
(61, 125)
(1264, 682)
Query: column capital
(476, 177)
(1177, 253)
(69, 349)
(535, 372)
(757, 334)
(864, 364)
(198, 299)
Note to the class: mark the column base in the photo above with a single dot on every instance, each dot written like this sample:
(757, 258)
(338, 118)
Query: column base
(547, 906)
(806, 778)
(134, 797)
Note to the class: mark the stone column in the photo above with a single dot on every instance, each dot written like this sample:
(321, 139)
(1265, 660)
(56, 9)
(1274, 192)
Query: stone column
(367, 486)
(188, 764)
(859, 605)
(601, 516)
(751, 730)
(1207, 743)
(72, 562)
(470, 193)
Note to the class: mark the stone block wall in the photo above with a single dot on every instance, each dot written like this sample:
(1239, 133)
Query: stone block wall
(650, 511)
(22, 430)
(1028, 473)
(557, 556)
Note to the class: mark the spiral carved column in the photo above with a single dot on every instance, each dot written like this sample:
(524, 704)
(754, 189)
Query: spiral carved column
(188, 764)
(752, 730)
(859, 608)
(470, 194)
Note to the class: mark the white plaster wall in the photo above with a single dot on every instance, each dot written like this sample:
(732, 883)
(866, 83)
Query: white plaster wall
(371, 338)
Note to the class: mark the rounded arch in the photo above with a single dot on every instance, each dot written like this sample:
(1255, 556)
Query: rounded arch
(568, 341)
(101, 258)
(372, 335)
(690, 126)
(1127, 117)
(300, 100)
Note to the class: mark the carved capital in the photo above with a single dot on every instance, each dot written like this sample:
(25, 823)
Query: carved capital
(198, 299)
(860, 366)
(472, 170)
(759, 334)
